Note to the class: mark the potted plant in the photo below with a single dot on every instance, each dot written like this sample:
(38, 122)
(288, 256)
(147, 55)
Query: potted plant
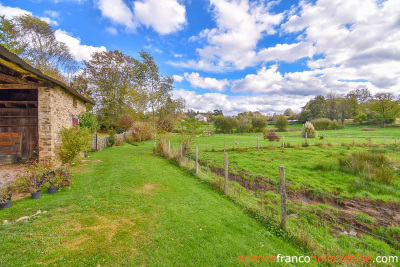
(55, 180)
(5, 196)
(34, 179)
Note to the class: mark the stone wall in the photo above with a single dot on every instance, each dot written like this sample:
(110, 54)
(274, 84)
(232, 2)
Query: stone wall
(101, 142)
(56, 109)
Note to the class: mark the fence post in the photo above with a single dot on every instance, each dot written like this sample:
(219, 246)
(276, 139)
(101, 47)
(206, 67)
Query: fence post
(283, 141)
(258, 142)
(226, 174)
(169, 146)
(225, 145)
(197, 160)
(181, 149)
(97, 142)
(395, 140)
(384, 139)
(323, 140)
(338, 140)
(370, 140)
(306, 139)
(282, 189)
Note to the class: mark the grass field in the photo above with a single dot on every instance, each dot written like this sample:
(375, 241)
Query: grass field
(313, 172)
(127, 207)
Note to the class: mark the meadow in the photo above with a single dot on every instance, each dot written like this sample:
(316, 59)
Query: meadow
(326, 202)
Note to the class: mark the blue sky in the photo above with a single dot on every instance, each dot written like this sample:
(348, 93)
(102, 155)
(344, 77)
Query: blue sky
(239, 55)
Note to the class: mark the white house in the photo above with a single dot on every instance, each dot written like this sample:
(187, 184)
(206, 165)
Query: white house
(200, 117)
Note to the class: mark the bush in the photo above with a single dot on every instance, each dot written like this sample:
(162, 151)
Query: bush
(225, 124)
(371, 166)
(334, 125)
(112, 139)
(259, 124)
(271, 137)
(308, 128)
(73, 142)
(368, 129)
(245, 125)
(125, 122)
(141, 131)
(281, 123)
(89, 121)
(322, 124)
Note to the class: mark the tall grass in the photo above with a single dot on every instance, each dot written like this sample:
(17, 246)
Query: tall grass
(371, 166)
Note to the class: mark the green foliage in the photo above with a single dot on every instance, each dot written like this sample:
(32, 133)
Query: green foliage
(360, 118)
(281, 123)
(244, 124)
(89, 121)
(112, 138)
(225, 124)
(73, 142)
(370, 166)
(259, 124)
(322, 124)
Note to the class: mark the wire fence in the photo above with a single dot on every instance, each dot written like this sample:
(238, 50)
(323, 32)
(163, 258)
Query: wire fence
(334, 223)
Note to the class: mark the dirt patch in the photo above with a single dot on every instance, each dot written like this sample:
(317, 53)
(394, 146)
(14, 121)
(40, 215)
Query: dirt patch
(10, 172)
(147, 189)
(91, 160)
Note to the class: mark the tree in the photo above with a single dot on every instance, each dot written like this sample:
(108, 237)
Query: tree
(281, 123)
(169, 113)
(109, 78)
(289, 113)
(155, 88)
(34, 40)
(245, 124)
(225, 124)
(259, 123)
(386, 106)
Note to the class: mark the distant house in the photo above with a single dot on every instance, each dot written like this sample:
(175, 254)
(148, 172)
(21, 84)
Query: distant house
(201, 118)
(33, 109)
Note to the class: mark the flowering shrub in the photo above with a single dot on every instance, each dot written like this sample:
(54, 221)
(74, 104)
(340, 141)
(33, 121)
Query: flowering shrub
(308, 128)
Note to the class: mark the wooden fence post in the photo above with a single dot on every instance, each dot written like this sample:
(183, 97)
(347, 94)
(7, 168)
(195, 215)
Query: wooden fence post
(338, 140)
(258, 142)
(226, 174)
(323, 140)
(225, 145)
(306, 139)
(354, 143)
(282, 189)
(283, 141)
(169, 146)
(181, 149)
(197, 160)
(97, 142)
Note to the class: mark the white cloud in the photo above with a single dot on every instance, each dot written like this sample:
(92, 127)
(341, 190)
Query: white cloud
(178, 78)
(112, 30)
(52, 13)
(240, 25)
(205, 82)
(11, 12)
(49, 21)
(118, 12)
(164, 17)
(80, 51)
(232, 105)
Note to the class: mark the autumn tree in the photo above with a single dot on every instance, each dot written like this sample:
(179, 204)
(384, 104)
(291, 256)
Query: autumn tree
(34, 40)
(154, 88)
(109, 79)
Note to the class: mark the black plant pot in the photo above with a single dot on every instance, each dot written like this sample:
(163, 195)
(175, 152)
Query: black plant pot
(37, 194)
(5, 205)
(52, 190)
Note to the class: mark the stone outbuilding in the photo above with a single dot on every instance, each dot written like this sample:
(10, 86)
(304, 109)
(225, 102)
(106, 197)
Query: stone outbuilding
(33, 109)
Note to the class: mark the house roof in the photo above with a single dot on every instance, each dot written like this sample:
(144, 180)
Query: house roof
(7, 55)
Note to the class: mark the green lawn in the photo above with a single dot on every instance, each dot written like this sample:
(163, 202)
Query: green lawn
(130, 208)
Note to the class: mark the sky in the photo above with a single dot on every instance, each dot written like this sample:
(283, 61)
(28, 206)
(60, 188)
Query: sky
(239, 55)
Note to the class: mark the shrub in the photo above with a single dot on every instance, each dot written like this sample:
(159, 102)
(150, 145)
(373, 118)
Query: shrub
(281, 123)
(245, 125)
(308, 128)
(334, 125)
(225, 124)
(371, 166)
(322, 124)
(112, 139)
(73, 142)
(141, 131)
(89, 121)
(271, 137)
(125, 122)
(258, 124)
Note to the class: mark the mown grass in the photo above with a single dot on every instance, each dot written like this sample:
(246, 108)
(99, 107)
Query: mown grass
(130, 208)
